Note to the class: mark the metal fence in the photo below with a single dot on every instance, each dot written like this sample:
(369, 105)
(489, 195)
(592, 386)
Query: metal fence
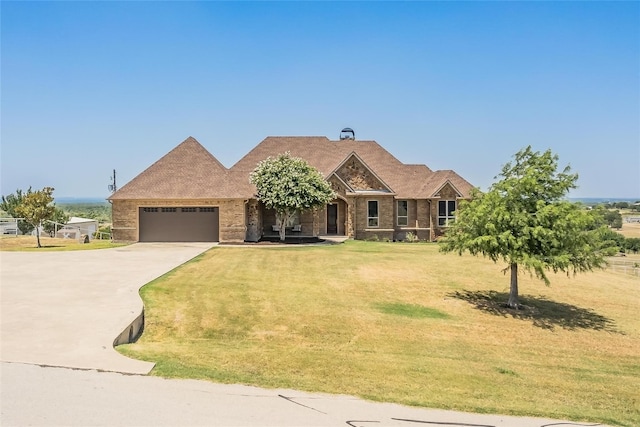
(9, 226)
(625, 266)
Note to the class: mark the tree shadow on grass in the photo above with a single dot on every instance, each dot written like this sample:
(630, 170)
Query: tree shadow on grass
(542, 312)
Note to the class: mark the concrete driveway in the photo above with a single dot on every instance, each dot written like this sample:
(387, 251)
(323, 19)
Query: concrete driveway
(36, 396)
(67, 308)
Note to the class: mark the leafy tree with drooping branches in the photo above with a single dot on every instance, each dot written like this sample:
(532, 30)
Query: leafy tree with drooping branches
(288, 185)
(36, 207)
(9, 204)
(525, 220)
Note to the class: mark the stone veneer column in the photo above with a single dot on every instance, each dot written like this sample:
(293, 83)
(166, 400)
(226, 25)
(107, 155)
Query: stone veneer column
(253, 221)
(351, 211)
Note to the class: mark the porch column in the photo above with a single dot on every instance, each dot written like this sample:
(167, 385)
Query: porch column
(253, 221)
(350, 215)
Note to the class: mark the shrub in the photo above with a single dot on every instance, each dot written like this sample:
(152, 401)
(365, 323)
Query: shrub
(411, 237)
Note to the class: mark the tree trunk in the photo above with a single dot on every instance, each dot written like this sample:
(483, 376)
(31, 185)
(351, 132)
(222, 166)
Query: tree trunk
(513, 291)
(282, 225)
(38, 236)
(282, 232)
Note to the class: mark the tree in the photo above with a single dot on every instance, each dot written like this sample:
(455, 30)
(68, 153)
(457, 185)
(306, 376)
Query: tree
(632, 244)
(524, 220)
(59, 217)
(288, 184)
(37, 207)
(10, 203)
(613, 219)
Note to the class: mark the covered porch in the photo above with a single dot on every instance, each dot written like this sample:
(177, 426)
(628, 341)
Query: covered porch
(331, 220)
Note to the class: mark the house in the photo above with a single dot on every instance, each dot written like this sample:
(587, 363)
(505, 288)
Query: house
(188, 195)
(76, 227)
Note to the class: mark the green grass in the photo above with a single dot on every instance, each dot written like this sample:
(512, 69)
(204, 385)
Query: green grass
(411, 310)
(399, 323)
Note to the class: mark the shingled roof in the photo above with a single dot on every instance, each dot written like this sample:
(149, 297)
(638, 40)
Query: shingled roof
(189, 171)
(406, 181)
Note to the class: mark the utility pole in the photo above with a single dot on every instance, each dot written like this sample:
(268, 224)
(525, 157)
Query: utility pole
(113, 187)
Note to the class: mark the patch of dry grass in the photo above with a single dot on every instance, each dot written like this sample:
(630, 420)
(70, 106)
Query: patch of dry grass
(29, 243)
(338, 319)
(630, 229)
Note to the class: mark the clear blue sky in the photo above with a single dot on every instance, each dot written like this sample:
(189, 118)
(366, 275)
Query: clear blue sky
(92, 86)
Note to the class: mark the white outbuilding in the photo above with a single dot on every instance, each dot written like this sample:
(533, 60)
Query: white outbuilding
(77, 227)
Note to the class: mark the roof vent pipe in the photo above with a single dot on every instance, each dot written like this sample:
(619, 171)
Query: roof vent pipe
(347, 133)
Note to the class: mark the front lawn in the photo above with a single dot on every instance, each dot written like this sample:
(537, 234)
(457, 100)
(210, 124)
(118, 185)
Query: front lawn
(399, 323)
(49, 244)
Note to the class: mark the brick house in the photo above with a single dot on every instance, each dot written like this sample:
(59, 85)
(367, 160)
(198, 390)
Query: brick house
(188, 195)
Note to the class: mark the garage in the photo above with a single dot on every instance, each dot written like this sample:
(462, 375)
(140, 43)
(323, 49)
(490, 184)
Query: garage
(179, 224)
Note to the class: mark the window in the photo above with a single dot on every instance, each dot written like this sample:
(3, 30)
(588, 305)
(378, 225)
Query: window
(446, 208)
(149, 209)
(207, 209)
(403, 212)
(372, 213)
(166, 210)
(188, 209)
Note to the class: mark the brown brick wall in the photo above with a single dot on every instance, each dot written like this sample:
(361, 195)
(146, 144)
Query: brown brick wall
(386, 218)
(446, 193)
(125, 217)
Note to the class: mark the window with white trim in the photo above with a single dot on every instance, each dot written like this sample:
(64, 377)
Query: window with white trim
(403, 213)
(372, 213)
(446, 209)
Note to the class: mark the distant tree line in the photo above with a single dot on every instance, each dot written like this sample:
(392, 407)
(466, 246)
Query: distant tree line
(623, 244)
(633, 206)
(98, 211)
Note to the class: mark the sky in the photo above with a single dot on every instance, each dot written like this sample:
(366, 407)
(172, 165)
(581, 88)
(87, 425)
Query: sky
(88, 87)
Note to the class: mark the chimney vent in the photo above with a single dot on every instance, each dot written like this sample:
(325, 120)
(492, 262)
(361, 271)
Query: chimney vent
(347, 133)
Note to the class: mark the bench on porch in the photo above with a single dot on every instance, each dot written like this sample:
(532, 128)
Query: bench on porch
(296, 228)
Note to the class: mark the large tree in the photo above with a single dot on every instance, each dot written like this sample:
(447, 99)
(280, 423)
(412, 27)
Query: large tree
(37, 207)
(525, 221)
(288, 185)
(10, 203)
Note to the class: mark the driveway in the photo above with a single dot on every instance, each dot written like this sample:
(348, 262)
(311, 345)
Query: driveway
(36, 396)
(67, 308)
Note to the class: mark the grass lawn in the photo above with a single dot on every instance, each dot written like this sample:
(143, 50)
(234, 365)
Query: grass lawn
(399, 323)
(28, 243)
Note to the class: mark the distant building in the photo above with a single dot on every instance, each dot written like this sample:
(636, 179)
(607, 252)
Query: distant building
(77, 227)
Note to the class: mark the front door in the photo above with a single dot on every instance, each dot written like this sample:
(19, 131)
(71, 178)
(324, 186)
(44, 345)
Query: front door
(332, 219)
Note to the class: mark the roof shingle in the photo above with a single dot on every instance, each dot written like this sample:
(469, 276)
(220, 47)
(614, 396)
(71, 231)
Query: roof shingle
(189, 171)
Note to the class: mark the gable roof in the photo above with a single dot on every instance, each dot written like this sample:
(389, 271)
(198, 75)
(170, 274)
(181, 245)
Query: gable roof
(354, 156)
(188, 171)
(406, 181)
(439, 179)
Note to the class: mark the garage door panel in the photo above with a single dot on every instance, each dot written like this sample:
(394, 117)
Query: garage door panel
(179, 224)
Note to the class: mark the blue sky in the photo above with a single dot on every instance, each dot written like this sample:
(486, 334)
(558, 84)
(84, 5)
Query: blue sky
(87, 87)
